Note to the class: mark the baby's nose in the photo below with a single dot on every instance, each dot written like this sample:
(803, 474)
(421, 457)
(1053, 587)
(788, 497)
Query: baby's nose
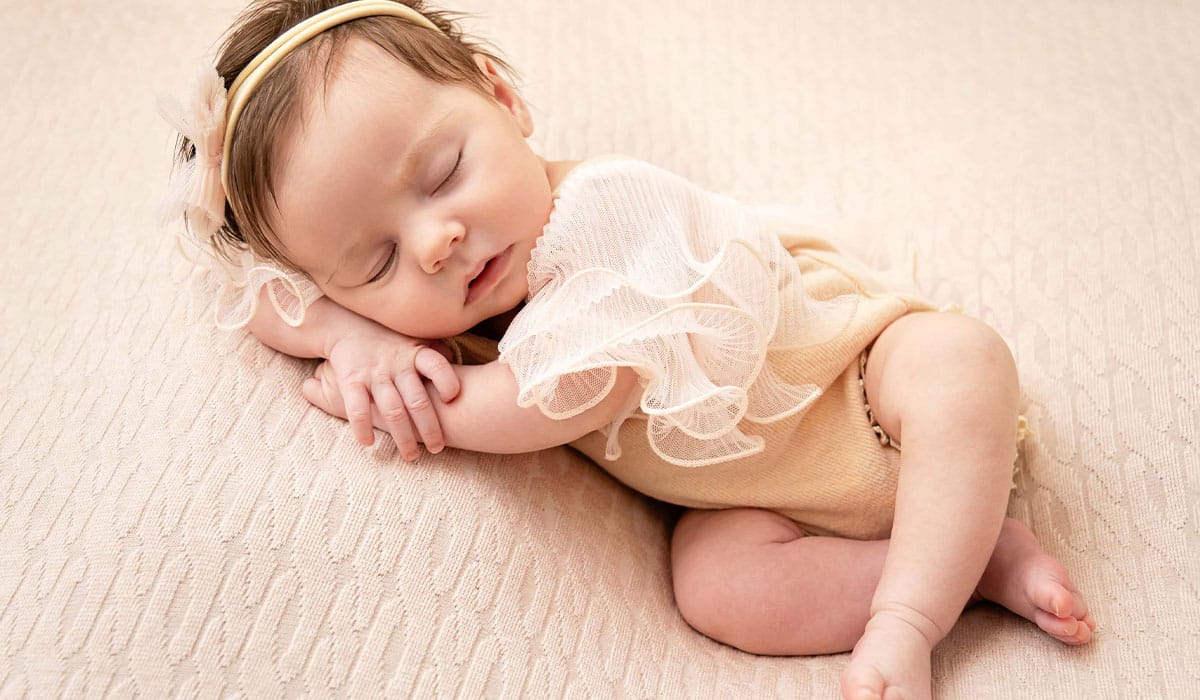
(439, 245)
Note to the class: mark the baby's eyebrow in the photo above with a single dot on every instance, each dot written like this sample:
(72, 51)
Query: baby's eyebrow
(416, 154)
(421, 146)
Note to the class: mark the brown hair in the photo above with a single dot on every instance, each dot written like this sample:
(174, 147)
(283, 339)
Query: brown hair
(444, 57)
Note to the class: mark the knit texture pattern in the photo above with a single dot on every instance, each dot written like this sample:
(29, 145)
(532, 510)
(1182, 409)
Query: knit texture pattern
(175, 520)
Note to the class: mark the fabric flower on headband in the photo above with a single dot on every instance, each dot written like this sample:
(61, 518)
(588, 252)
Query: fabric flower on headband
(196, 191)
(196, 194)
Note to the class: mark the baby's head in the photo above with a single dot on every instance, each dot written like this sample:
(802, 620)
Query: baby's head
(385, 157)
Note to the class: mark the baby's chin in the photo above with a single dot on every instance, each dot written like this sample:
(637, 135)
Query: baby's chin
(429, 334)
(487, 328)
(491, 327)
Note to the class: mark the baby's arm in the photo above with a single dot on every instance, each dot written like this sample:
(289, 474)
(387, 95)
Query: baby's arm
(373, 366)
(325, 322)
(485, 416)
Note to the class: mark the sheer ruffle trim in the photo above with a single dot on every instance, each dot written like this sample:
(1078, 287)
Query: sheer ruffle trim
(639, 268)
(235, 287)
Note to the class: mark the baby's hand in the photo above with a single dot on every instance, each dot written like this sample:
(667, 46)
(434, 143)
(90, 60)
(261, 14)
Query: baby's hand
(375, 378)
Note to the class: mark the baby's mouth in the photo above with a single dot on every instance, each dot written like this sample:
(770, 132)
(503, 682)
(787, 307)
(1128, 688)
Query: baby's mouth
(482, 272)
(489, 275)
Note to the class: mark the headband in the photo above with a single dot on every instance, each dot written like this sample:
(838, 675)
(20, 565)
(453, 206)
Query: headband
(198, 188)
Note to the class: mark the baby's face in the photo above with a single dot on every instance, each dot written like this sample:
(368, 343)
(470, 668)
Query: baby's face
(412, 203)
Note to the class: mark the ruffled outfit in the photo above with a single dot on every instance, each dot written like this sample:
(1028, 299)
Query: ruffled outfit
(746, 331)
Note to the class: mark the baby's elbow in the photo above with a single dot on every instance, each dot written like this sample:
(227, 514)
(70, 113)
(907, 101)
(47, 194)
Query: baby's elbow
(265, 324)
(536, 430)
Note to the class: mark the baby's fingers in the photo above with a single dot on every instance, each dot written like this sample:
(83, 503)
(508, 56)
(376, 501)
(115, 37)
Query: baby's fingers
(318, 391)
(358, 411)
(432, 364)
(395, 418)
(416, 398)
(311, 390)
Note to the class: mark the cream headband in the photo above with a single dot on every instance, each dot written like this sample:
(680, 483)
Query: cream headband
(198, 188)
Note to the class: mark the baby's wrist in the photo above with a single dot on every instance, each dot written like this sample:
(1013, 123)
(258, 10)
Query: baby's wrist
(338, 323)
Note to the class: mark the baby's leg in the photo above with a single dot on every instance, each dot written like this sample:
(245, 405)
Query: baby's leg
(945, 386)
(751, 579)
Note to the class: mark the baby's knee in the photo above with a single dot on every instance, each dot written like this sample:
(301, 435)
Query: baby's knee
(933, 354)
(938, 341)
(977, 369)
(988, 384)
(715, 557)
(975, 343)
(725, 603)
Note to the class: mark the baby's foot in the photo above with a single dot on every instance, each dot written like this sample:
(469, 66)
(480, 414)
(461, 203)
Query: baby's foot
(1034, 585)
(890, 661)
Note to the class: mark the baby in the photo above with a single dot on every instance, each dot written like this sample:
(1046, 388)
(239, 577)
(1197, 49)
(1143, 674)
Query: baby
(360, 173)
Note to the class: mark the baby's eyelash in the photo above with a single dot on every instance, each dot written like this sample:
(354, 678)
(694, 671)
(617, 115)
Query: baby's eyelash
(453, 172)
(387, 265)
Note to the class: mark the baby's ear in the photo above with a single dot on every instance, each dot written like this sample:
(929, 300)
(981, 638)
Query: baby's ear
(505, 94)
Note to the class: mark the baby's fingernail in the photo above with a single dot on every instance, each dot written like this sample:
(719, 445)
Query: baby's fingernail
(434, 449)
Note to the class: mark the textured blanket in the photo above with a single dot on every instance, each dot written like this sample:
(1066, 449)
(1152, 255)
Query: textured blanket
(175, 519)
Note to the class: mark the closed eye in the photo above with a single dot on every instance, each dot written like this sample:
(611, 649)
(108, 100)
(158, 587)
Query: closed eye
(387, 265)
(451, 175)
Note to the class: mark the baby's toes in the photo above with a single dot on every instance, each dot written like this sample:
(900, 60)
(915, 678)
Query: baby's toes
(1066, 602)
(1081, 609)
(1061, 628)
(1062, 612)
(1087, 628)
(1048, 593)
(1083, 633)
(862, 682)
(1068, 630)
(1073, 603)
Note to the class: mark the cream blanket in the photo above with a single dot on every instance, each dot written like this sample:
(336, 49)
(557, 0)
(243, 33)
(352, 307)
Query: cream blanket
(174, 519)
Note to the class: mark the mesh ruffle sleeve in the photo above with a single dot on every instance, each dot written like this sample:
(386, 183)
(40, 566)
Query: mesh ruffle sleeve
(639, 268)
(234, 287)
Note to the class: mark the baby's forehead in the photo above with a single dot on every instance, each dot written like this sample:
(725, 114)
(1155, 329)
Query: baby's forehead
(358, 58)
(363, 62)
(361, 80)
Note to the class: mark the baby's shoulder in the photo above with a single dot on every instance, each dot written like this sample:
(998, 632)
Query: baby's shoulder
(609, 170)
